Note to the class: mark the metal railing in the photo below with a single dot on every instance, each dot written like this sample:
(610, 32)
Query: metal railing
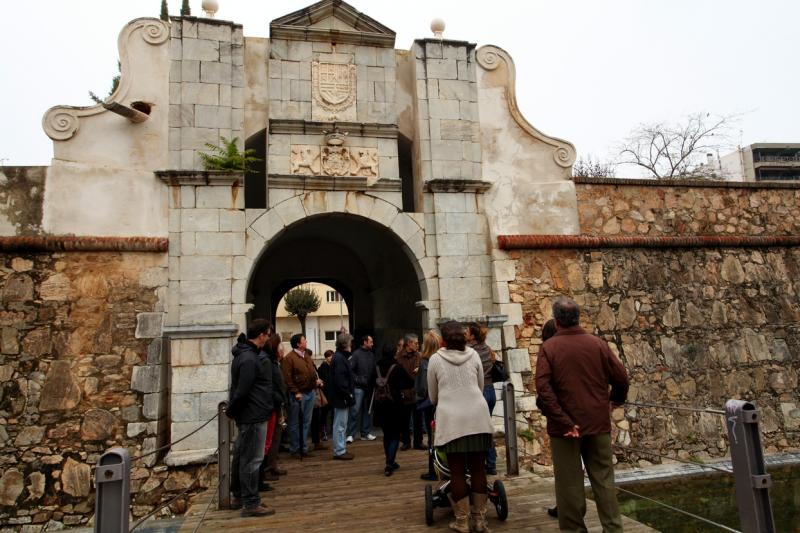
(751, 479)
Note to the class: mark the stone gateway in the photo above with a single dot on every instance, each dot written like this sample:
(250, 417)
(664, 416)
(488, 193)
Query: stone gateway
(409, 182)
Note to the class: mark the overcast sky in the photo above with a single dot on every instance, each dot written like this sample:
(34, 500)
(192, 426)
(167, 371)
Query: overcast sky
(588, 71)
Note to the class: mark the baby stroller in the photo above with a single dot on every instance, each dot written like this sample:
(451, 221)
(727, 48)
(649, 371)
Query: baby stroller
(434, 498)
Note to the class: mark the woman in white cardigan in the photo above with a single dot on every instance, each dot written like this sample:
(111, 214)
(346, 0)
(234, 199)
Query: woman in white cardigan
(463, 427)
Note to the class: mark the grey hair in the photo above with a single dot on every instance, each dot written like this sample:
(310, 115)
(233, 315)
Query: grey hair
(408, 337)
(344, 342)
(566, 312)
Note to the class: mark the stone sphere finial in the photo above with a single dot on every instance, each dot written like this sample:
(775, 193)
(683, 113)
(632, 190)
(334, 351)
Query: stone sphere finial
(210, 8)
(437, 27)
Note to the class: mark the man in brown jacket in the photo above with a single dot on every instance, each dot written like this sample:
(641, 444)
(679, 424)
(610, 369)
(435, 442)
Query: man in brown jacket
(301, 379)
(573, 374)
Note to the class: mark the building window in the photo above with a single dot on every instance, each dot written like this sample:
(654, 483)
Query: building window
(333, 296)
(330, 335)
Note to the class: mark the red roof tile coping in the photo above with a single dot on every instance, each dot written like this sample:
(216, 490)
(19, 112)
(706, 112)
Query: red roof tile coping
(71, 243)
(689, 183)
(533, 242)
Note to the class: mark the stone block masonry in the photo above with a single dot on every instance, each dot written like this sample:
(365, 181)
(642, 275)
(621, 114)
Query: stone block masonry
(206, 87)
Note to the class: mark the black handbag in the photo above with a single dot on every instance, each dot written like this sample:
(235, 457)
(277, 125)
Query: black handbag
(498, 372)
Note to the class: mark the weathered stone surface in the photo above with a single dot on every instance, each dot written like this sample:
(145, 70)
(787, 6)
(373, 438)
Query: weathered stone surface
(148, 325)
(29, 435)
(17, 288)
(11, 485)
(56, 288)
(36, 485)
(61, 390)
(75, 478)
(98, 424)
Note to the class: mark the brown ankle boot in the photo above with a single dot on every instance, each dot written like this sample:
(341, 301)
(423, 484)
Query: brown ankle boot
(478, 513)
(461, 511)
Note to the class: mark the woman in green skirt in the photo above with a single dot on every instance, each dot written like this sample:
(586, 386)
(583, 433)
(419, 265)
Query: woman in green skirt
(463, 426)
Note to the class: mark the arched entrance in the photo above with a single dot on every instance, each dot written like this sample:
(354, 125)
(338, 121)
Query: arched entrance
(365, 262)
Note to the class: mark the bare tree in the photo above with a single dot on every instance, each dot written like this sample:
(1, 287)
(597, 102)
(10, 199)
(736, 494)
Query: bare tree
(592, 168)
(669, 151)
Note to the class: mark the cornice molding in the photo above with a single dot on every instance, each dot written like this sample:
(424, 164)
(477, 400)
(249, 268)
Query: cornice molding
(72, 243)
(583, 242)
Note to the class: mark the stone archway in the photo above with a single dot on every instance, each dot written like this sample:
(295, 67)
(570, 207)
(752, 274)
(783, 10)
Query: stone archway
(363, 260)
(377, 236)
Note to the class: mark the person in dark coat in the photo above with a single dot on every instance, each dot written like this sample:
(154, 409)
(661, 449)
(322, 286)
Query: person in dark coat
(362, 362)
(269, 467)
(573, 373)
(389, 415)
(341, 395)
(251, 406)
(324, 372)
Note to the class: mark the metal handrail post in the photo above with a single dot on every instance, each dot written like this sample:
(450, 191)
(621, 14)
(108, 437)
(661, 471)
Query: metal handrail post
(751, 477)
(113, 502)
(510, 420)
(224, 459)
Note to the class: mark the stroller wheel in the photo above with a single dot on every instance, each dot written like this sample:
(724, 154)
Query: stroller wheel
(428, 505)
(500, 501)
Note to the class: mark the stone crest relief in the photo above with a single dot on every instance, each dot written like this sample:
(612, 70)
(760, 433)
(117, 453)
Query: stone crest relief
(310, 160)
(333, 87)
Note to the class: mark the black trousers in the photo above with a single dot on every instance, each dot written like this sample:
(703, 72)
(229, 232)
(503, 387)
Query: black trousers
(411, 416)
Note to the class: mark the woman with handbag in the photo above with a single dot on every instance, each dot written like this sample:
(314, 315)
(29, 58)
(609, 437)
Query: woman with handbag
(476, 339)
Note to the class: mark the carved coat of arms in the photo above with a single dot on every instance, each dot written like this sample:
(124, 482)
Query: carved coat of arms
(333, 85)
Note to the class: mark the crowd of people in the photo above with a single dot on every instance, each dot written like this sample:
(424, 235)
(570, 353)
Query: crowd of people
(444, 393)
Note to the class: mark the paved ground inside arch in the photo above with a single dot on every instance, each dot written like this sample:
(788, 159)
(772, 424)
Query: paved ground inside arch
(320, 494)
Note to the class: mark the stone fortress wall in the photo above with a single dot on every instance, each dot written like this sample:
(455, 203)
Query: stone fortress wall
(116, 319)
(694, 326)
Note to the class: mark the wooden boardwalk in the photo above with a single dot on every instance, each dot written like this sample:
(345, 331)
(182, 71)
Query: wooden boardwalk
(323, 495)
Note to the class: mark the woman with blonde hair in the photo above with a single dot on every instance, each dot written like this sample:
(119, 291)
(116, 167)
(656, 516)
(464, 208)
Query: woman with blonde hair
(431, 342)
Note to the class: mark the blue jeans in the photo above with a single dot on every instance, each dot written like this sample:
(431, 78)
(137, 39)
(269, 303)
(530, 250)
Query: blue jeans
(339, 429)
(247, 461)
(359, 407)
(298, 443)
(491, 398)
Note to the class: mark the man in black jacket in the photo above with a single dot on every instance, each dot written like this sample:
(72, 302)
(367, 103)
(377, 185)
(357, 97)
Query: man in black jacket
(251, 405)
(362, 363)
(341, 394)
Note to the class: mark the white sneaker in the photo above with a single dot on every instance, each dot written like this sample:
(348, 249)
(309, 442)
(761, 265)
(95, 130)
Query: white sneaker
(349, 439)
(369, 437)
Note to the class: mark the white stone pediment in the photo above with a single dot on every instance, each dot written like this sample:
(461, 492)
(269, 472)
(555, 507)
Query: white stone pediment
(332, 21)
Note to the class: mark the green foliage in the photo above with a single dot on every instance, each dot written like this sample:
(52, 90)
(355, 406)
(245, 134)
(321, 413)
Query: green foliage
(164, 11)
(300, 302)
(186, 11)
(115, 79)
(228, 157)
(526, 434)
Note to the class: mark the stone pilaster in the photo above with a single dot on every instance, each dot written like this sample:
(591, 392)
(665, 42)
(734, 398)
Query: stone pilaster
(206, 88)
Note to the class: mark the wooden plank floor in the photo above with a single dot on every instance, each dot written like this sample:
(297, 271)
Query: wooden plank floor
(320, 494)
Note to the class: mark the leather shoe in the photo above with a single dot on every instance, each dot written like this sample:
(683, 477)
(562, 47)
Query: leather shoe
(279, 471)
(427, 476)
(269, 476)
(388, 471)
(419, 447)
(553, 512)
(236, 503)
(258, 511)
(405, 447)
(263, 486)
(394, 465)
(346, 456)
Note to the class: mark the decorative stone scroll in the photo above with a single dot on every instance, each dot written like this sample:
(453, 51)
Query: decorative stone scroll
(62, 122)
(490, 57)
(333, 87)
(311, 160)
